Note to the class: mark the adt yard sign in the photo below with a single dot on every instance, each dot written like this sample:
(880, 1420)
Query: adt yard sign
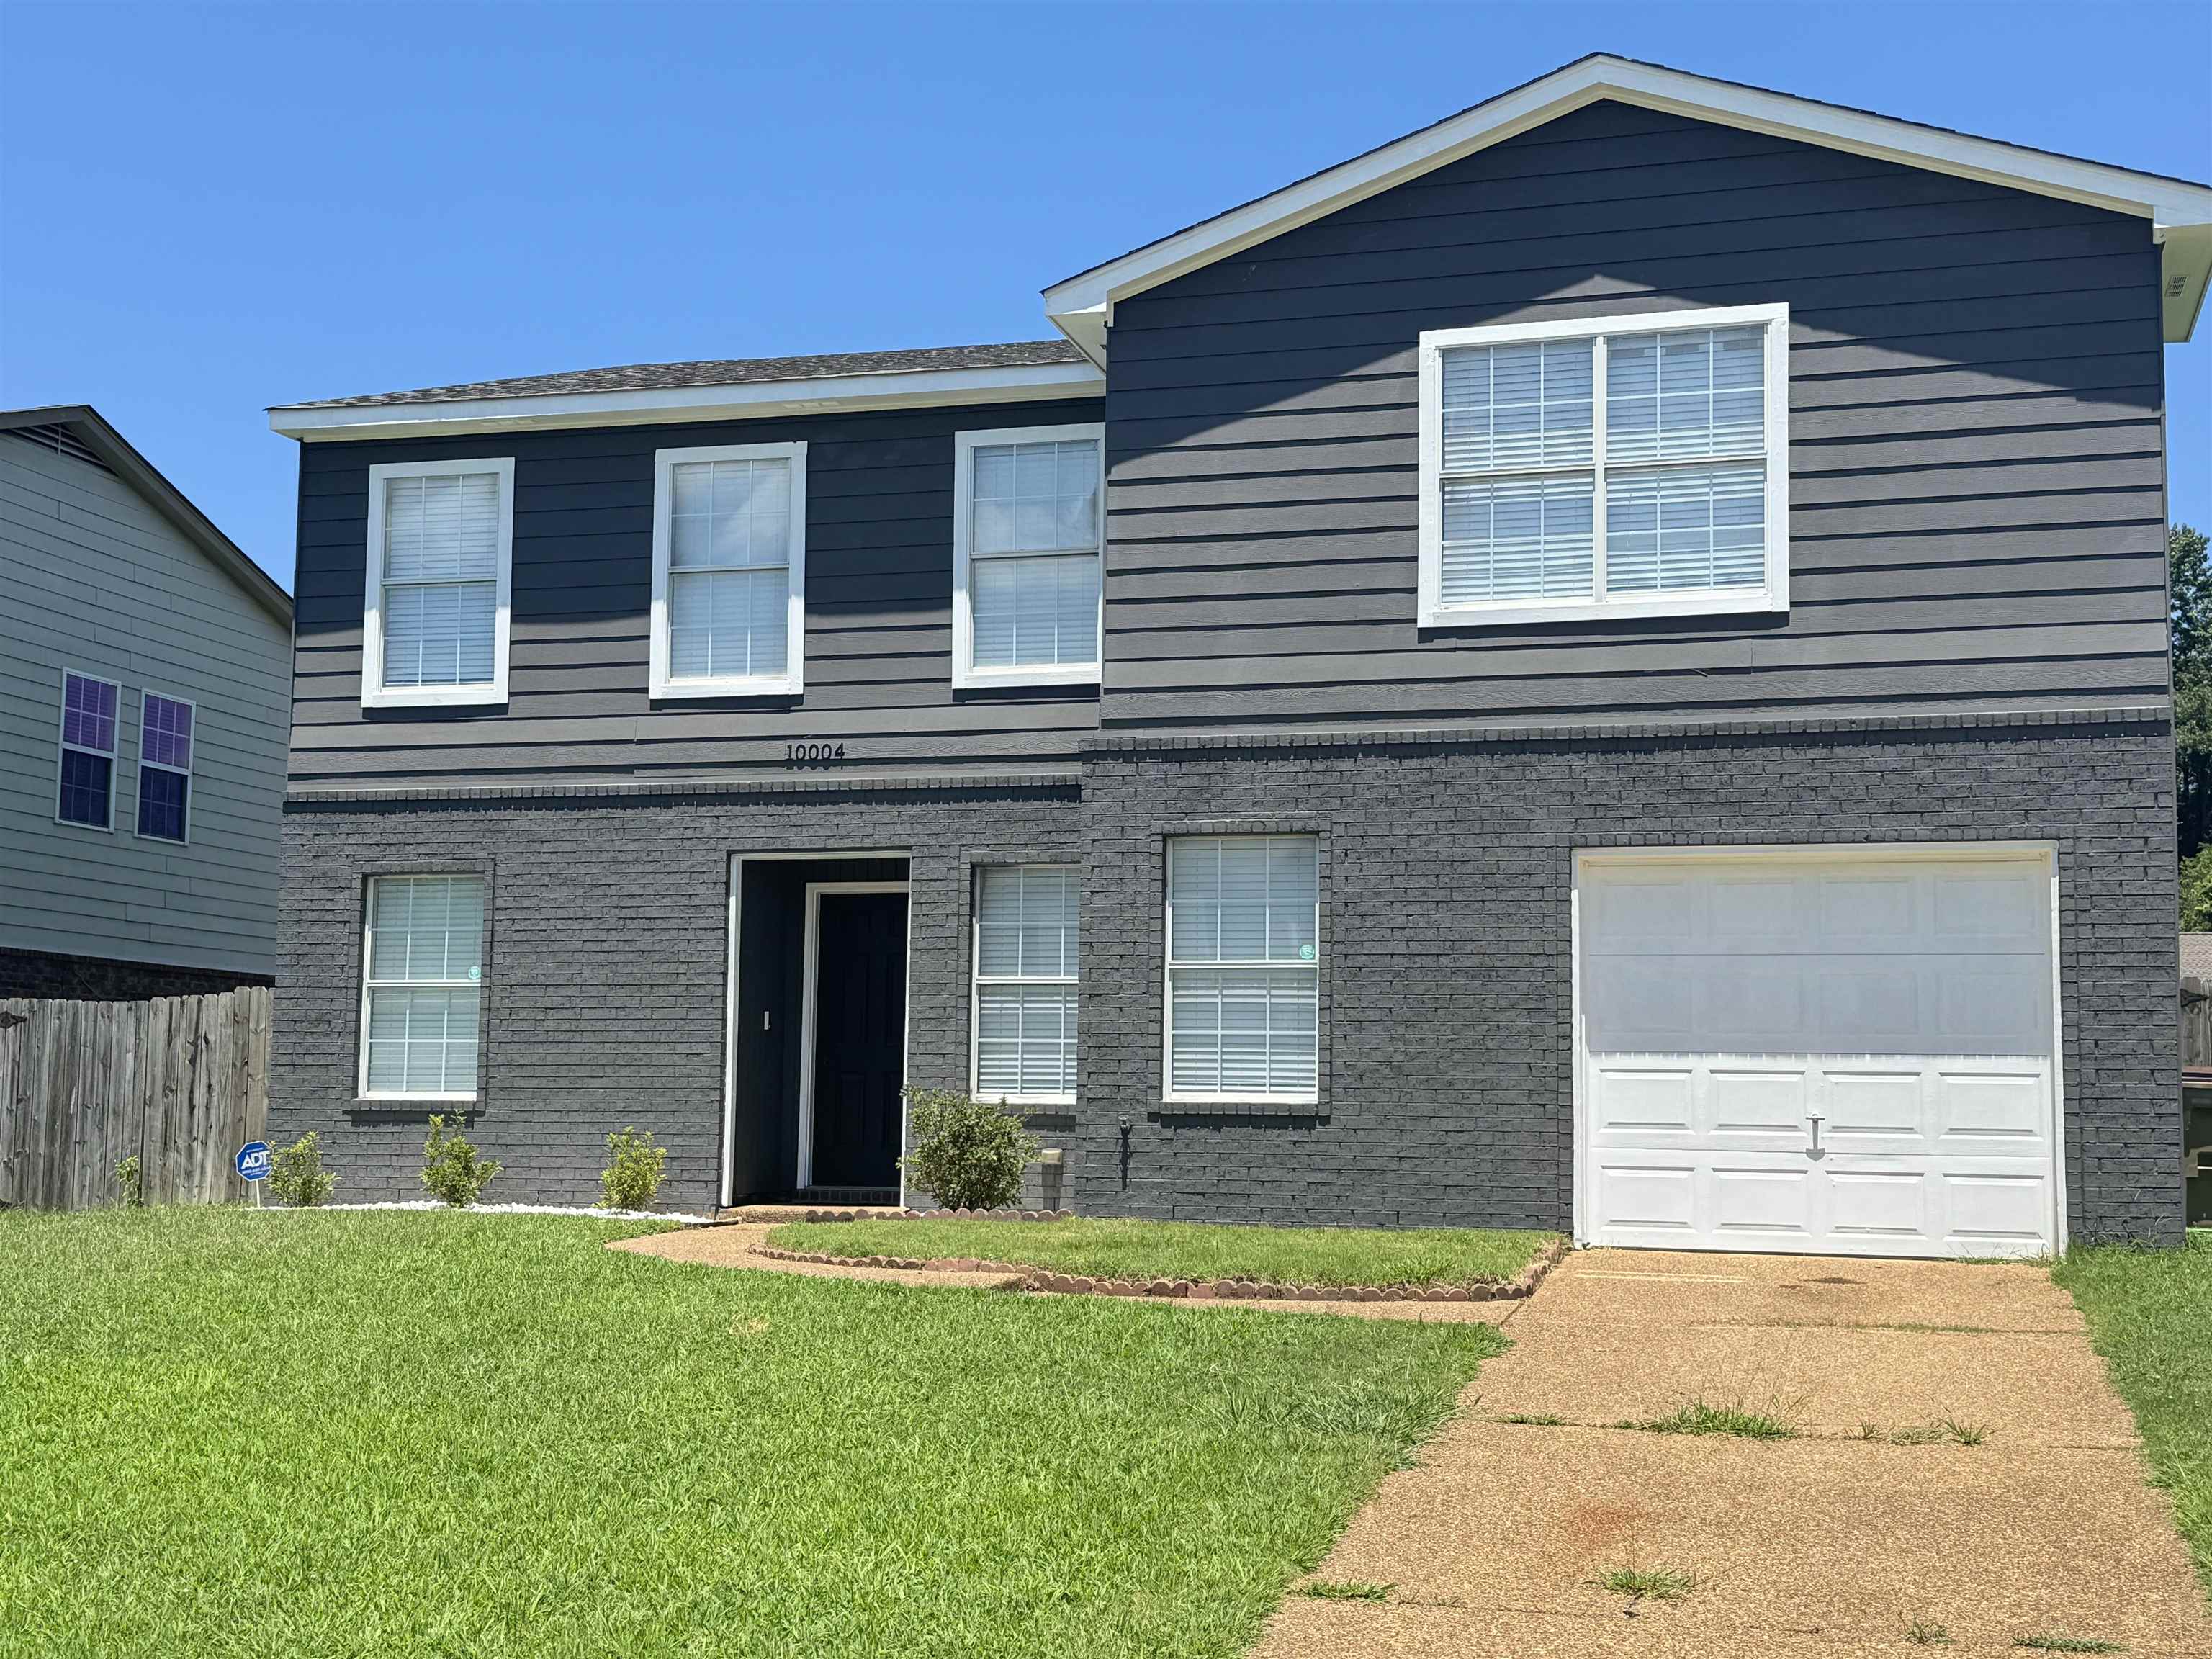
(253, 1160)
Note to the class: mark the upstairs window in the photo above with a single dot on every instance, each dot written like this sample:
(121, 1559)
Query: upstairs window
(165, 767)
(423, 987)
(440, 561)
(1028, 534)
(1026, 926)
(86, 794)
(1632, 466)
(729, 571)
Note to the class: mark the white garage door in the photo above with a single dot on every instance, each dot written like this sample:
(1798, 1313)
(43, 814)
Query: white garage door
(1848, 1055)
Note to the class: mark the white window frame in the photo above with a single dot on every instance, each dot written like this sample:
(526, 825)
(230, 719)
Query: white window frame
(63, 745)
(184, 772)
(1773, 455)
(793, 680)
(374, 694)
(1169, 1094)
(977, 979)
(361, 1090)
(966, 676)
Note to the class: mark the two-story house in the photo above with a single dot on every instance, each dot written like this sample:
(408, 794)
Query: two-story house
(146, 662)
(1601, 665)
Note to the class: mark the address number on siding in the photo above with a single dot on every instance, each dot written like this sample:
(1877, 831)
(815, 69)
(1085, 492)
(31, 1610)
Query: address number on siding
(812, 754)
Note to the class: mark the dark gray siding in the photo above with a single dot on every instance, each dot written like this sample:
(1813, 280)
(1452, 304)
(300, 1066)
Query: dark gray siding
(878, 617)
(1976, 478)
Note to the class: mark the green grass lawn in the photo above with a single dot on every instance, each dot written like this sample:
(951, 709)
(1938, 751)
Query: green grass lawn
(2150, 1317)
(1183, 1249)
(230, 1432)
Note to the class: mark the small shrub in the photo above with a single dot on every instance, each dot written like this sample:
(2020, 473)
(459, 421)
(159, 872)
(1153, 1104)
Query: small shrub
(296, 1175)
(969, 1153)
(632, 1181)
(453, 1172)
(130, 1184)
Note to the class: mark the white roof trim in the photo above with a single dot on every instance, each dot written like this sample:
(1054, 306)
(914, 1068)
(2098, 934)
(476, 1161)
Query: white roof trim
(2171, 205)
(755, 400)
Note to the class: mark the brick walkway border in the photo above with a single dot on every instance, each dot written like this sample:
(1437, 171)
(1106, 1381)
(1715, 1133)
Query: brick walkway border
(1197, 1290)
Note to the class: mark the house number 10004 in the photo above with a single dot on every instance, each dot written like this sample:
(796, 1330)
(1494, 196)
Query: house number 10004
(800, 754)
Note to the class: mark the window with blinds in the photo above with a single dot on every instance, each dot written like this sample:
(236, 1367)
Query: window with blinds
(423, 987)
(1244, 972)
(1028, 533)
(1639, 464)
(729, 570)
(85, 793)
(165, 767)
(441, 555)
(1027, 921)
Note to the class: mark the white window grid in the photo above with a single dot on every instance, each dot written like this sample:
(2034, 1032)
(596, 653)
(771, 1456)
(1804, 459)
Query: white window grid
(966, 675)
(661, 677)
(1592, 462)
(63, 745)
(147, 699)
(374, 693)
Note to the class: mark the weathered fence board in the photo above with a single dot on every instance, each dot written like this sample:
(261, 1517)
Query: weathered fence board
(181, 1082)
(2196, 1023)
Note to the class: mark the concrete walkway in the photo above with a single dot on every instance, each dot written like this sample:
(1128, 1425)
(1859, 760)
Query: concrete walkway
(1832, 1543)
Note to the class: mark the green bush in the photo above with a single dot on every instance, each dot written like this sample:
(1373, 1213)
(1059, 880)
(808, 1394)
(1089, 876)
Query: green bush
(632, 1181)
(296, 1175)
(452, 1173)
(130, 1184)
(969, 1153)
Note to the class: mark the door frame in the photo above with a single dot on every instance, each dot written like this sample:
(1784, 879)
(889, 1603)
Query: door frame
(810, 969)
(1583, 859)
(736, 908)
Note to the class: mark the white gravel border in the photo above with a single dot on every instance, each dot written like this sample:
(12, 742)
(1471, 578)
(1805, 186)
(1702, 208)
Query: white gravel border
(430, 1204)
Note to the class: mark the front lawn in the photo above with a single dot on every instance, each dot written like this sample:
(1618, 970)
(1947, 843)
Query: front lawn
(1181, 1249)
(239, 1433)
(2150, 1317)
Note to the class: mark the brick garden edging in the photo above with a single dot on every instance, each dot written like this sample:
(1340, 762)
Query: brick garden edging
(1522, 1285)
(937, 1215)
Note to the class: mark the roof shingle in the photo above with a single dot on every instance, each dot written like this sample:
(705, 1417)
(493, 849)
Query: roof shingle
(742, 371)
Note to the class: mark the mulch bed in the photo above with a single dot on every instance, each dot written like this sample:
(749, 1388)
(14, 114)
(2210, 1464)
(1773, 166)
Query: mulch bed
(1197, 1290)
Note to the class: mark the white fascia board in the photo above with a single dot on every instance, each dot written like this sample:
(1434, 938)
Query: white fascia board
(2168, 203)
(757, 401)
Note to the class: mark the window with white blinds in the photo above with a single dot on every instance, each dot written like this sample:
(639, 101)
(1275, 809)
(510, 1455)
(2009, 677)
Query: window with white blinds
(441, 558)
(1028, 530)
(1635, 465)
(729, 571)
(421, 987)
(1244, 971)
(1027, 921)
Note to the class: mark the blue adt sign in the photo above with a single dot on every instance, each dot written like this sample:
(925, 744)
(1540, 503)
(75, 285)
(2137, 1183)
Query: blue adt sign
(253, 1160)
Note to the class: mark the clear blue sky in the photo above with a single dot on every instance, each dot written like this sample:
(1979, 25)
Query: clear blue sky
(206, 210)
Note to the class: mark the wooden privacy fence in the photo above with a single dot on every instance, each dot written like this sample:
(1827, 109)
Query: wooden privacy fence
(182, 1082)
(2195, 1023)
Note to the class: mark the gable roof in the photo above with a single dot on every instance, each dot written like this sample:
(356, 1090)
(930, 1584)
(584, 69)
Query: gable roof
(721, 389)
(81, 427)
(2180, 210)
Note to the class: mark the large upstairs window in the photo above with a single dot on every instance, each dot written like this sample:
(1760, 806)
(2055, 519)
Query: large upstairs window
(1614, 467)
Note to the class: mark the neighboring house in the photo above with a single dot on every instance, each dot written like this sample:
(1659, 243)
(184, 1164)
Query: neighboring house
(1631, 694)
(145, 663)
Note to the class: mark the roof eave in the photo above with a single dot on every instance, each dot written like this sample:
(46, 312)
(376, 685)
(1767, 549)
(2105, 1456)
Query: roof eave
(2175, 208)
(754, 400)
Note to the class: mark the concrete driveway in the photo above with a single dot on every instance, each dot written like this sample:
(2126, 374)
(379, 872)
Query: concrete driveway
(1876, 1515)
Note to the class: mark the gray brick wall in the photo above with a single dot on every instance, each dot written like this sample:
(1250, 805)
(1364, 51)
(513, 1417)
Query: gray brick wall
(1446, 1092)
(606, 963)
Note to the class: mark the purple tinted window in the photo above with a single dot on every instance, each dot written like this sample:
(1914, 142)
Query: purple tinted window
(162, 803)
(85, 788)
(88, 714)
(165, 734)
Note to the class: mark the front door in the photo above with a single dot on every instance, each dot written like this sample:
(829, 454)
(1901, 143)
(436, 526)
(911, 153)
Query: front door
(859, 1037)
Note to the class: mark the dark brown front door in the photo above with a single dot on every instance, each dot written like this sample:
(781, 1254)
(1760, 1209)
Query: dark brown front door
(859, 1037)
